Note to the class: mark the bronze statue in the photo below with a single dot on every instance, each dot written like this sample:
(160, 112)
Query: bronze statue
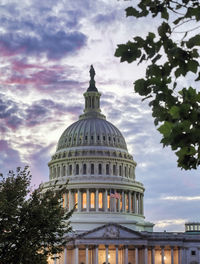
(92, 72)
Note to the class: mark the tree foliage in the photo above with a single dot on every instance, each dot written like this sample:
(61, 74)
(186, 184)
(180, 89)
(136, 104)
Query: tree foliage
(32, 223)
(172, 57)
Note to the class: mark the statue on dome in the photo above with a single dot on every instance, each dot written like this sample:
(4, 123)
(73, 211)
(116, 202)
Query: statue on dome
(92, 72)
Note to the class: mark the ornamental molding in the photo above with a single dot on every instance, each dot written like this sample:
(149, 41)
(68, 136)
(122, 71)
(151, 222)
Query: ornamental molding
(111, 232)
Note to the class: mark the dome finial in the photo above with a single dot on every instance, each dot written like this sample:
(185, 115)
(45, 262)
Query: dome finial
(92, 87)
(92, 72)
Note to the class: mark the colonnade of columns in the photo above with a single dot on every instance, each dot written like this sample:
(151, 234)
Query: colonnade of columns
(147, 255)
(84, 168)
(103, 200)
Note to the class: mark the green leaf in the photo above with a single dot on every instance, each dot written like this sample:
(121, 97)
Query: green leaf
(174, 111)
(193, 66)
(165, 129)
(194, 41)
(165, 14)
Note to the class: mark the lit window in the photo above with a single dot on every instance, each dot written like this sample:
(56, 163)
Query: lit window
(100, 200)
(92, 168)
(84, 200)
(66, 200)
(108, 201)
(120, 202)
(76, 199)
(84, 168)
(126, 197)
(92, 200)
(100, 169)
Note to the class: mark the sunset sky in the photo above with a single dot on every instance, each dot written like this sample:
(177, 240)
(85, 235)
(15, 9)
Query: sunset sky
(46, 50)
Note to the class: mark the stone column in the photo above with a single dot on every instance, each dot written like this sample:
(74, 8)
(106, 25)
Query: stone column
(126, 254)
(88, 201)
(65, 255)
(172, 255)
(114, 200)
(97, 200)
(70, 200)
(106, 254)
(86, 255)
(105, 200)
(123, 203)
(135, 203)
(96, 254)
(138, 203)
(163, 255)
(136, 256)
(116, 254)
(145, 255)
(129, 201)
(142, 204)
(152, 255)
(55, 259)
(179, 255)
(76, 255)
(79, 201)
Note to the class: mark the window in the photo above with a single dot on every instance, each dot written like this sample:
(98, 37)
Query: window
(92, 200)
(92, 137)
(84, 169)
(54, 173)
(120, 170)
(77, 169)
(64, 170)
(126, 198)
(120, 202)
(108, 201)
(193, 253)
(70, 169)
(66, 200)
(125, 171)
(100, 169)
(98, 137)
(58, 169)
(84, 201)
(129, 172)
(114, 169)
(104, 138)
(100, 201)
(107, 169)
(92, 168)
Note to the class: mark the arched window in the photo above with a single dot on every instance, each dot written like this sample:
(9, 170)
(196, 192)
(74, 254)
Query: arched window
(84, 201)
(129, 172)
(125, 171)
(100, 201)
(76, 199)
(77, 169)
(107, 169)
(114, 169)
(92, 168)
(70, 169)
(84, 169)
(92, 200)
(100, 169)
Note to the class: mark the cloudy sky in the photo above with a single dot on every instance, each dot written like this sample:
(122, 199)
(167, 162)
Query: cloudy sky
(46, 49)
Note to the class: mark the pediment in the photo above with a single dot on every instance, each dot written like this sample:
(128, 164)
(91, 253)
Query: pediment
(111, 231)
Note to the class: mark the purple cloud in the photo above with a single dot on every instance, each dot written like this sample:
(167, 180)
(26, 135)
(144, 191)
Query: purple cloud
(54, 45)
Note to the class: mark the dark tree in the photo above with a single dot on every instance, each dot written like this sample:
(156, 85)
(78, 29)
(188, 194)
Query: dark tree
(172, 54)
(32, 223)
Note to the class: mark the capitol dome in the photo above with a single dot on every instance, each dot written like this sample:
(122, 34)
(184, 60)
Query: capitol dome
(91, 131)
(92, 157)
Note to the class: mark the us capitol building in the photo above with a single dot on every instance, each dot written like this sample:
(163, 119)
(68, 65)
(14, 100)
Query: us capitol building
(109, 221)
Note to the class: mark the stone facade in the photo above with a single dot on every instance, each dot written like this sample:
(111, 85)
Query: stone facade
(109, 223)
